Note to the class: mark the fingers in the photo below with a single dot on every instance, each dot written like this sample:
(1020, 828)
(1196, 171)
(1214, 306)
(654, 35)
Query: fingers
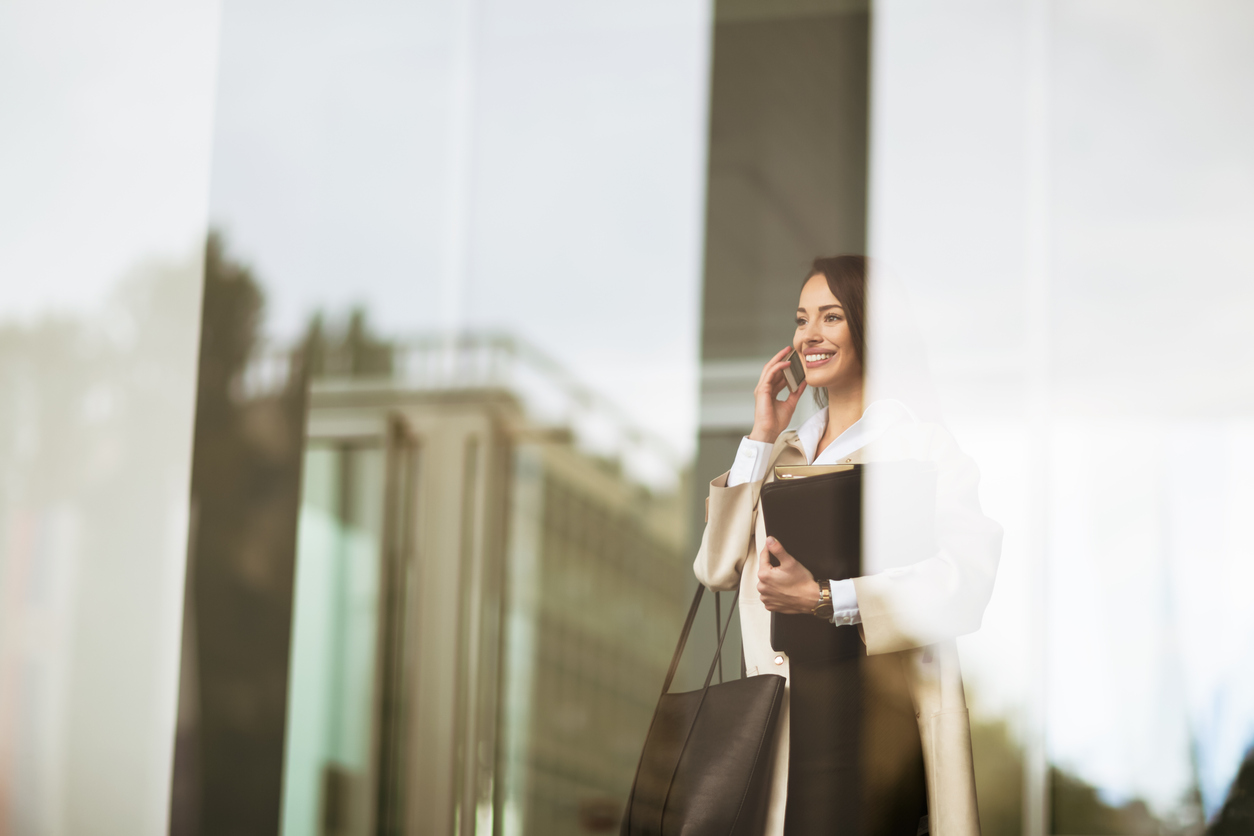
(783, 588)
(764, 572)
(771, 549)
(785, 560)
(768, 369)
(785, 564)
(772, 376)
(796, 395)
(774, 365)
(774, 580)
(776, 380)
(768, 559)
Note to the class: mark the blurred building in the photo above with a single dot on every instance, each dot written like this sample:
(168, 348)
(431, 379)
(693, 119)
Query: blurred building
(484, 608)
(1065, 189)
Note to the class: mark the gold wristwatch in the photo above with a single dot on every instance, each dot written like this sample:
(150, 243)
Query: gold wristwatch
(823, 609)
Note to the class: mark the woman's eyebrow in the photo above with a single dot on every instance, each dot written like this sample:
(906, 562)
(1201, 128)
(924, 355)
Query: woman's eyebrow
(821, 308)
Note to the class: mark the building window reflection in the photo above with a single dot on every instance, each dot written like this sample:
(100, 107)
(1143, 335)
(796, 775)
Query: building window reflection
(483, 605)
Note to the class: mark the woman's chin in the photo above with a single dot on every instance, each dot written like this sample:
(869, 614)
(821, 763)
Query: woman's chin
(820, 381)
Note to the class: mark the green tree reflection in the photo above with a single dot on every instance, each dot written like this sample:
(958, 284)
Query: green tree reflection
(245, 498)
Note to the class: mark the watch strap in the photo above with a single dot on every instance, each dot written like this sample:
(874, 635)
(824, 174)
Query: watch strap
(823, 609)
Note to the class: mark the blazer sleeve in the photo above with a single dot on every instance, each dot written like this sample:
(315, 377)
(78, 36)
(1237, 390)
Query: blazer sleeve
(728, 535)
(944, 595)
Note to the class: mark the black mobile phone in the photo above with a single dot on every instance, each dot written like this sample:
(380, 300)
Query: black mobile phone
(796, 371)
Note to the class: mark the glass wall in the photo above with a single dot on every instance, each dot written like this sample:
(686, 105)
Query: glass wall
(330, 768)
(1057, 183)
(364, 367)
(104, 165)
(448, 406)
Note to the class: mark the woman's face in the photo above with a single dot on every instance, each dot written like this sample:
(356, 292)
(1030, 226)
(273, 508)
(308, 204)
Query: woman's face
(823, 337)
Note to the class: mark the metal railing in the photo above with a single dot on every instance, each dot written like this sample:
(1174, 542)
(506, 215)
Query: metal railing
(550, 394)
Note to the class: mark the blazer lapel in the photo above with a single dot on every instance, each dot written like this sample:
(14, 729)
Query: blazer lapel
(790, 453)
(787, 451)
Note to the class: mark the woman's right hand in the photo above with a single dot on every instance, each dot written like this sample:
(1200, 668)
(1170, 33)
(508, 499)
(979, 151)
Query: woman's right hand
(770, 416)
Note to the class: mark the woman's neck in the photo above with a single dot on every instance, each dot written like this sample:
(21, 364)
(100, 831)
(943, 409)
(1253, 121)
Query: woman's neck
(844, 408)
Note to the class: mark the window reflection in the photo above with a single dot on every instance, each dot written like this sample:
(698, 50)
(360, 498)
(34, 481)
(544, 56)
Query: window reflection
(245, 494)
(330, 766)
(436, 552)
(484, 606)
(434, 569)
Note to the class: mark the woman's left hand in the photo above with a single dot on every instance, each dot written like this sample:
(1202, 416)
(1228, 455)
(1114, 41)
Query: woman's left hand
(788, 587)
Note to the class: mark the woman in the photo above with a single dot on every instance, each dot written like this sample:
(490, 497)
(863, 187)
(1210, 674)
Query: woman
(848, 759)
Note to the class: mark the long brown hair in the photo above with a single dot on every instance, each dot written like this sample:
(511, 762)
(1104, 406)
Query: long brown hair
(846, 279)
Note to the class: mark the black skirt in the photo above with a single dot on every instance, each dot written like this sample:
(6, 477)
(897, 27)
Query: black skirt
(855, 763)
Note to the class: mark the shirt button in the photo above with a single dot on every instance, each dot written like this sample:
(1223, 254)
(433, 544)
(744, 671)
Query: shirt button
(779, 660)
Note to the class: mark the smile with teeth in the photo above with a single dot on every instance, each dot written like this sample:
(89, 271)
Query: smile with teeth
(818, 358)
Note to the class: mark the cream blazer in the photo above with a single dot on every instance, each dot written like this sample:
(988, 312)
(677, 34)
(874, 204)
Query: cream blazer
(910, 614)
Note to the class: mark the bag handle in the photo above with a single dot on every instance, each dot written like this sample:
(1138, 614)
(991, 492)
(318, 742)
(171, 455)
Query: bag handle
(683, 639)
(718, 652)
(666, 686)
(718, 624)
(705, 689)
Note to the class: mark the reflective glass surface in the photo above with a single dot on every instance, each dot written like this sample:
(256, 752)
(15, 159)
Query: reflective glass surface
(365, 367)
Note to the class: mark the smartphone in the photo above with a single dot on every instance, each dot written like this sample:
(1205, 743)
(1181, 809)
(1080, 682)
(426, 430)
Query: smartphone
(796, 371)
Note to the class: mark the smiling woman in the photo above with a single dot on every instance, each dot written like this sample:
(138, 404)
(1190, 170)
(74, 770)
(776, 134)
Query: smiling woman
(831, 326)
(875, 741)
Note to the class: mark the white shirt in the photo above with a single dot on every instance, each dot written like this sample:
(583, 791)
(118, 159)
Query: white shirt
(753, 457)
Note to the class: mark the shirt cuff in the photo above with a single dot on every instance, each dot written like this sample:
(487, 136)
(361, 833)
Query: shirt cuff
(845, 603)
(751, 462)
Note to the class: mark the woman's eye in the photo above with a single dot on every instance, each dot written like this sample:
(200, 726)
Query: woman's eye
(834, 317)
(800, 322)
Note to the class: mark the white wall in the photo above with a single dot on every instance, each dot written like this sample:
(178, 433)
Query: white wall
(104, 159)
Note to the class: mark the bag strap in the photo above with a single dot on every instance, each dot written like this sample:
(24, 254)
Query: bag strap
(683, 638)
(670, 675)
(718, 652)
(718, 626)
(705, 689)
(720, 631)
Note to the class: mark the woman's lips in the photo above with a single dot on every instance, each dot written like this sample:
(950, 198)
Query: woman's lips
(819, 358)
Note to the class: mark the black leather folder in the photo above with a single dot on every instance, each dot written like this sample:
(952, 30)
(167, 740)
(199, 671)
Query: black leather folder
(819, 520)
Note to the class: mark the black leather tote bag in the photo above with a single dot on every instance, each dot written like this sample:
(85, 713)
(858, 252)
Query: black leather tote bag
(707, 760)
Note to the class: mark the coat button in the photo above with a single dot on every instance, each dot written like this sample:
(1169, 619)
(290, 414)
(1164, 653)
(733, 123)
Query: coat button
(779, 660)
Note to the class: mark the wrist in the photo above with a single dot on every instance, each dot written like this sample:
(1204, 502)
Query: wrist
(760, 435)
(823, 602)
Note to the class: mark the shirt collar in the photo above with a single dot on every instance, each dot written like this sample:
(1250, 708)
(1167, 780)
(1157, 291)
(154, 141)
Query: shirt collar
(878, 417)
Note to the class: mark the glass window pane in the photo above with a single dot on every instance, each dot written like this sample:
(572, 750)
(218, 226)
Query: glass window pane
(329, 766)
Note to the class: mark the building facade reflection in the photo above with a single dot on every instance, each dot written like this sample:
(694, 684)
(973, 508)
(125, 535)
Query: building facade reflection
(483, 608)
(429, 582)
